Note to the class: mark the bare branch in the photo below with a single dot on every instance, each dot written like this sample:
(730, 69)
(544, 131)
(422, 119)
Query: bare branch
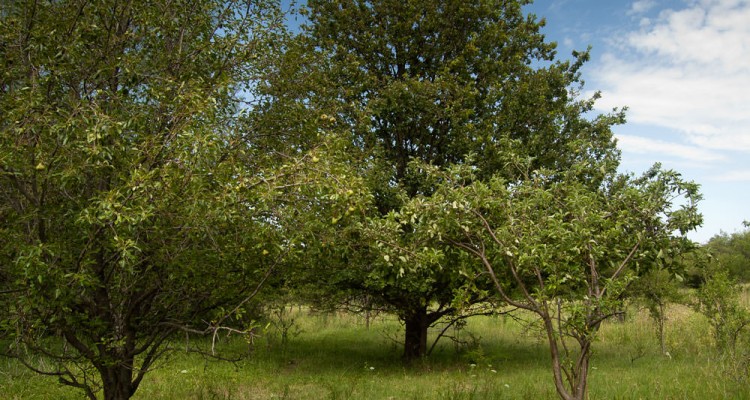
(623, 264)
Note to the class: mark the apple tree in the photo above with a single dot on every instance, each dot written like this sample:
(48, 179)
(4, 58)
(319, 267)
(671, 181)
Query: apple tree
(433, 81)
(136, 197)
(561, 248)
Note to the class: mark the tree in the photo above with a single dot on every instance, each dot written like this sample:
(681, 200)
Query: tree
(732, 251)
(553, 245)
(656, 289)
(718, 299)
(435, 81)
(137, 198)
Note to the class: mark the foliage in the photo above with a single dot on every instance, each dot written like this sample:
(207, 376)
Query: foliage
(435, 81)
(718, 300)
(557, 247)
(162, 163)
(732, 251)
(663, 285)
(137, 198)
(656, 289)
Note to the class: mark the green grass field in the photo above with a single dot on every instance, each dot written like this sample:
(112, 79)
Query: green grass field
(337, 357)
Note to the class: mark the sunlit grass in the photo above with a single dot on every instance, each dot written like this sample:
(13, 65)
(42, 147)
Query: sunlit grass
(335, 356)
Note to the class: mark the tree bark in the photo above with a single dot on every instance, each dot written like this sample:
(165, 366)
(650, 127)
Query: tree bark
(557, 371)
(118, 382)
(660, 325)
(576, 375)
(415, 343)
(581, 372)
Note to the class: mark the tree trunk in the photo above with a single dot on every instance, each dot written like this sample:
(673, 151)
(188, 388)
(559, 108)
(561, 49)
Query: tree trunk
(118, 382)
(557, 368)
(415, 343)
(576, 374)
(581, 372)
(660, 325)
(368, 311)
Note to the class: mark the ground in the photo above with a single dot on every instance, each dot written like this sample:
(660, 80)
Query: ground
(335, 356)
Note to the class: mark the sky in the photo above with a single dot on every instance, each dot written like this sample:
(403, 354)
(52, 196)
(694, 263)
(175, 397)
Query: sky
(682, 67)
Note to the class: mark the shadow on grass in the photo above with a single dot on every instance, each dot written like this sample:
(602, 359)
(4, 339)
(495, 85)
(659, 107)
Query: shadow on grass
(362, 350)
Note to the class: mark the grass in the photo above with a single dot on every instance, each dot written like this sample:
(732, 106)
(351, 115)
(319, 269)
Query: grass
(337, 357)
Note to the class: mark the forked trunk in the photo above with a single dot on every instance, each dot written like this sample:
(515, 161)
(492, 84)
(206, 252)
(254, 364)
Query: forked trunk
(577, 374)
(580, 374)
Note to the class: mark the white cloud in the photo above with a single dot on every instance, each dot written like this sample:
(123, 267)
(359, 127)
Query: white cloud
(687, 70)
(642, 145)
(641, 6)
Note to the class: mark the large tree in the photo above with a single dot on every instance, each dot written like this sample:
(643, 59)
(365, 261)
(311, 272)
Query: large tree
(435, 81)
(562, 249)
(137, 195)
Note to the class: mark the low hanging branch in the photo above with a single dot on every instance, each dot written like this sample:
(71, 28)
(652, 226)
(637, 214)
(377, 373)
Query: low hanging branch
(216, 327)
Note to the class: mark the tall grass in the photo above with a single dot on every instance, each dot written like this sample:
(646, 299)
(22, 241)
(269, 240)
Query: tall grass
(335, 356)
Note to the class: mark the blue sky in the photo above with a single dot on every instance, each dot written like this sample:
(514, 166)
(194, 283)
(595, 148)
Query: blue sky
(682, 67)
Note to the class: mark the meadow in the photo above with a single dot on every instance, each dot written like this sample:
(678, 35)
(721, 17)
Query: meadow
(337, 356)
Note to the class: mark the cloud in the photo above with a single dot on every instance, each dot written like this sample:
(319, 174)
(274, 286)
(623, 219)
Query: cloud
(687, 70)
(642, 145)
(641, 6)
